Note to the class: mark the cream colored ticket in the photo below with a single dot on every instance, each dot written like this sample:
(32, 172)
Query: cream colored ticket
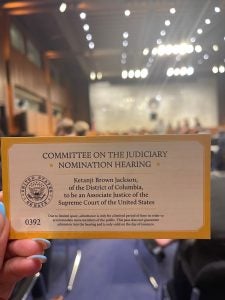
(108, 187)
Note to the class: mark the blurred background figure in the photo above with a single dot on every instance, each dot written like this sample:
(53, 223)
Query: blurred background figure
(81, 128)
(219, 158)
(65, 127)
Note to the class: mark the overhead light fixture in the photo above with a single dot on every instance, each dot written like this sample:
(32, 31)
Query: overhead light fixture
(83, 15)
(124, 74)
(183, 71)
(215, 69)
(217, 9)
(170, 72)
(146, 51)
(123, 61)
(221, 69)
(206, 56)
(92, 75)
(172, 10)
(198, 48)
(159, 42)
(62, 7)
(125, 43)
(137, 73)
(131, 74)
(178, 49)
(199, 31)
(125, 35)
(167, 23)
(162, 32)
(91, 45)
(144, 73)
(99, 75)
(124, 55)
(86, 27)
(88, 37)
(127, 12)
(193, 39)
(207, 21)
(215, 48)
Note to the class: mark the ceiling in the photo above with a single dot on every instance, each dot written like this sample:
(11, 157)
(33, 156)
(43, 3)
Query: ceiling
(62, 36)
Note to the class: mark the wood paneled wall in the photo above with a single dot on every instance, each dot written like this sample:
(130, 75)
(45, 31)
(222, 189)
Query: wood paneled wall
(26, 75)
(2, 67)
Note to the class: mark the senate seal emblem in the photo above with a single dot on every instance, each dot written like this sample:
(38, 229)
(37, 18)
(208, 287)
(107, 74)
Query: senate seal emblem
(36, 191)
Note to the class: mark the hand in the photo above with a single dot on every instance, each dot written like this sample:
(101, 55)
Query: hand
(18, 258)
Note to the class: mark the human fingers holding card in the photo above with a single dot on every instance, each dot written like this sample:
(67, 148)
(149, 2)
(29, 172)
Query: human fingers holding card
(18, 258)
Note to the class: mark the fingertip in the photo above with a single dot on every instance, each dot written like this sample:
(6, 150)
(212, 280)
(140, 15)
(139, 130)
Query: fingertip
(43, 242)
(38, 257)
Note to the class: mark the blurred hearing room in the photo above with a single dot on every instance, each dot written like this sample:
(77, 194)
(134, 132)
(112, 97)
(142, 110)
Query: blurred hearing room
(123, 67)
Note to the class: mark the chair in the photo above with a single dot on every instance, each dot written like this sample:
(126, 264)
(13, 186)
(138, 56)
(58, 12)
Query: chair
(199, 271)
(23, 289)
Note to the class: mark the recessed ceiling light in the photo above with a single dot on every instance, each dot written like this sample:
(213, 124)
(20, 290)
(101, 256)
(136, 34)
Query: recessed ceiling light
(125, 35)
(217, 9)
(125, 43)
(215, 70)
(162, 32)
(207, 21)
(172, 10)
(123, 61)
(144, 73)
(183, 71)
(198, 48)
(167, 22)
(137, 73)
(206, 56)
(170, 72)
(92, 76)
(215, 48)
(159, 41)
(91, 45)
(83, 15)
(221, 69)
(89, 37)
(86, 27)
(127, 12)
(176, 72)
(124, 55)
(199, 31)
(62, 7)
(190, 71)
(193, 39)
(99, 75)
(124, 74)
(131, 74)
(145, 51)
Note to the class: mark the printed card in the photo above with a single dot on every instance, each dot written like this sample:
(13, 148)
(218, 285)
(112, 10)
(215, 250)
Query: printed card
(108, 187)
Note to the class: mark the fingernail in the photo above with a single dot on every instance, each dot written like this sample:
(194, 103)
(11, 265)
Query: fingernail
(2, 209)
(42, 258)
(45, 243)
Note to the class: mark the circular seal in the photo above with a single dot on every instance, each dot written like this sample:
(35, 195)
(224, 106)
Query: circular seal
(36, 191)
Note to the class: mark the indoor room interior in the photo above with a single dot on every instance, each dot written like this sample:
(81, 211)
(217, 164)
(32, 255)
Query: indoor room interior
(119, 68)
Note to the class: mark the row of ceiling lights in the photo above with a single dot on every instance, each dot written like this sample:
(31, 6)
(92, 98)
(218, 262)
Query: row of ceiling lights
(143, 73)
(179, 49)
